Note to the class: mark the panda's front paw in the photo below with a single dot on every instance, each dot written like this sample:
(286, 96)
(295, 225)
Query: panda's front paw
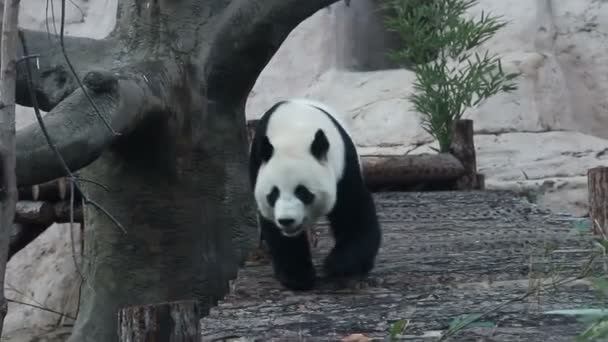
(341, 263)
(302, 281)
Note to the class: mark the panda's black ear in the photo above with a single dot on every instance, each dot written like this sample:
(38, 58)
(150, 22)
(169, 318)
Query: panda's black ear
(266, 149)
(320, 145)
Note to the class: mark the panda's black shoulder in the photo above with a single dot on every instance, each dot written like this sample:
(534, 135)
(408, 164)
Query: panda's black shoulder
(259, 132)
(262, 124)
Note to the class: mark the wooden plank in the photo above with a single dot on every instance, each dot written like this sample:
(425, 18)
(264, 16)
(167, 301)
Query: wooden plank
(445, 254)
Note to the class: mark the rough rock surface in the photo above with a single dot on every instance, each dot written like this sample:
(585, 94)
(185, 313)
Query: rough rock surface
(540, 139)
(557, 46)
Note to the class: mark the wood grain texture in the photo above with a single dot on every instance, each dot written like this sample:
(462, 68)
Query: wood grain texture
(463, 148)
(163, 322)
(445, 254)
(597, 183)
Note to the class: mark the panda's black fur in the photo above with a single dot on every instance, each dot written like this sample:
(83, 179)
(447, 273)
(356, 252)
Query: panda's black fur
(353, 220)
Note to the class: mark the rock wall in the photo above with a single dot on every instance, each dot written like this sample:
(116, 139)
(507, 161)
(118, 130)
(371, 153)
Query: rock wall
(556, 117)
(541, 138)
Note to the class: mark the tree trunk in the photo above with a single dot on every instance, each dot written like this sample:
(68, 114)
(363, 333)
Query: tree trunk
(164, 322)
(8, 180)
(175, 79)
(597, 184)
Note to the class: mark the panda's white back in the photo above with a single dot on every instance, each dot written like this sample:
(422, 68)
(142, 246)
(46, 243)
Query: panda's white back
(293, 125)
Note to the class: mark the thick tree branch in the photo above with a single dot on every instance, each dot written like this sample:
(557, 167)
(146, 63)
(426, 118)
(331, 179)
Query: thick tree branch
(80, 135)
(249, 34)
(53, 80)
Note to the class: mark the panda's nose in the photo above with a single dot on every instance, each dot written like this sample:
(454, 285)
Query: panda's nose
(286, 222)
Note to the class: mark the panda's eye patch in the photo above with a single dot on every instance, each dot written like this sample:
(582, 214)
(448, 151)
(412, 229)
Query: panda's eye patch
(273, 196)
(304, 195)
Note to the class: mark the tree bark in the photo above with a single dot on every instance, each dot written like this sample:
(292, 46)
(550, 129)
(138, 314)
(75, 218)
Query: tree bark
(172, 79)
(8, 179)
(170, 322)
(463, 148)
(597, 184)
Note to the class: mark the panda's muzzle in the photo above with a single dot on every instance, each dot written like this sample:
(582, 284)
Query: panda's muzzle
(289, 227)
(286, 222)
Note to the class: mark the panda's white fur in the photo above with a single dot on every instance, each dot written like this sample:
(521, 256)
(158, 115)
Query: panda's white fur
(290, 131)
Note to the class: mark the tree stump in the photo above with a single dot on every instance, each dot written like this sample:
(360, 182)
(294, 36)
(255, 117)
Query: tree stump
(481, 181)
(463, 148)
(166, 322)
(597, 184)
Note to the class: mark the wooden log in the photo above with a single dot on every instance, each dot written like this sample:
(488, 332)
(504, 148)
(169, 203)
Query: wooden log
(46, 213)
(597, 184)
(34, 212)
(481, 181)
(405, 170)
(166, 322)
(62, 212)
(53, 191)
(463, 148)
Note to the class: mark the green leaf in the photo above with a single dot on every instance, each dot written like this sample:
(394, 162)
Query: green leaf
(398, 328)
(582, 226)
(598, 329)
(469, 321)
(579, 312)
(438, 39)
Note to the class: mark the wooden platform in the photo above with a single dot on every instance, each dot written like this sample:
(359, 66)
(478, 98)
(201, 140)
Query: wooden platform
(445, 255)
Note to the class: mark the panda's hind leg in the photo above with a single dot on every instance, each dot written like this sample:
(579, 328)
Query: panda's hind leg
(357, 236)
(291, 257)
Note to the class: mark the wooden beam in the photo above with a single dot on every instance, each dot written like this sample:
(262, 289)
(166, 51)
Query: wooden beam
(51, 191)
(32, 218)
(46, 213)
(597, 184)
(399, 171)
(170, 322)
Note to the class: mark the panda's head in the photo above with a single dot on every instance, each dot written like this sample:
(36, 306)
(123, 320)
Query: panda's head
(295, 186)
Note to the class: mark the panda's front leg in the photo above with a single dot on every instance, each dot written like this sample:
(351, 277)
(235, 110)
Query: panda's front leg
(291, 257)
(357, 236)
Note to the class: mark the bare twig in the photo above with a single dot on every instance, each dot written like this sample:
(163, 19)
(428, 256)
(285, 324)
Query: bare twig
(67, 60)
(24, 58)
(40, 308)
(92, 182)
(50, 142)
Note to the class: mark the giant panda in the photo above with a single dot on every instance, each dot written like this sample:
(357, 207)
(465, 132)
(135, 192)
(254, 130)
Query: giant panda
(303, 165)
